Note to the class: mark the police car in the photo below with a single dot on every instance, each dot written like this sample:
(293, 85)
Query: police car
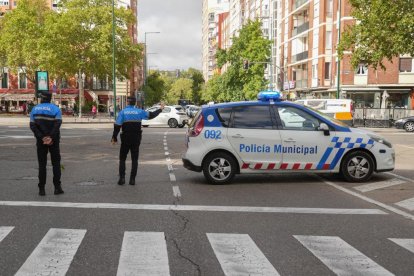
(271, 135)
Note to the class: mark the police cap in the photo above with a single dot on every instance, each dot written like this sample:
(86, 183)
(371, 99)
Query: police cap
(45, 96)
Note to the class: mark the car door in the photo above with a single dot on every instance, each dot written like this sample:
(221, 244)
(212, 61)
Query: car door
(304, 146)
(253, 134)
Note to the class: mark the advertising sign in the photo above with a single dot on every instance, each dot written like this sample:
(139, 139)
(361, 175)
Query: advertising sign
(42, 82)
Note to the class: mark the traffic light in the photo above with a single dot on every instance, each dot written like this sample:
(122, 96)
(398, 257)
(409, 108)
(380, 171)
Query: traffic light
(245, 64)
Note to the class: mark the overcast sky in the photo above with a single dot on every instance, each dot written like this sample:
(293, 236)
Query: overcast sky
(178, 46)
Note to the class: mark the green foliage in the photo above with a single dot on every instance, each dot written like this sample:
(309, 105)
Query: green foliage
(79, 37)
(385, 29)
(237, 83)
(182, 88)
(154, 89)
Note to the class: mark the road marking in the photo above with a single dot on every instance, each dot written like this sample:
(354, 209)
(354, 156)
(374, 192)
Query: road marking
(406, 243)
(167, 153)
(400, 177)
(176, 191)
(172, 177)
(340, 257)
(54, 254)
(166, 148)
(405, 146)
(379, 185)
(143, 253)
(383, 205)
(4, 231)
(239, 255)
(170, 167)
(203, 208)
(407, 204)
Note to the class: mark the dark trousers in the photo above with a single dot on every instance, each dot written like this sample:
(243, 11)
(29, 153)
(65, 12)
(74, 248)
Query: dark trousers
(125, 148)
(42, 151)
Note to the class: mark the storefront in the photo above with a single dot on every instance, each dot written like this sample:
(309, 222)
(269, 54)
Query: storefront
(378, 97)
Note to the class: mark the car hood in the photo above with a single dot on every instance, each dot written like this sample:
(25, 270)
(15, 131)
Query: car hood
(365, 132)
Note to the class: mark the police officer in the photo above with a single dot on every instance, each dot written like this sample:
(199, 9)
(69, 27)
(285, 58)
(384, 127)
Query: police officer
(129, 119)
(45, 122)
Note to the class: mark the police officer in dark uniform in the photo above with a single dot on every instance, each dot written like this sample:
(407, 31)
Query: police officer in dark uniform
(129, 120)
(45, 122)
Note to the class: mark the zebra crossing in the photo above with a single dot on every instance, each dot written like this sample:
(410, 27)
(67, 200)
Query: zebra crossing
(146, 253)
(407, 204)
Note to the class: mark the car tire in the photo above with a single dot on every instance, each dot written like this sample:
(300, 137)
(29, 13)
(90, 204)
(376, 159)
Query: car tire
(357, 166)
(145, 126)
(181, 126)
(409, 126)
(219, 168)
(172, 123)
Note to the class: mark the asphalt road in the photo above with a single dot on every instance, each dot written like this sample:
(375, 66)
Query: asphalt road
(173, 223)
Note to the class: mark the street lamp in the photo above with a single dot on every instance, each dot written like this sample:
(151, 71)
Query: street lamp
(80, 78)
(145, 54)
(113, 57)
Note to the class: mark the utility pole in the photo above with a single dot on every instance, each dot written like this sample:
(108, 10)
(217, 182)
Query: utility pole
(338, 73)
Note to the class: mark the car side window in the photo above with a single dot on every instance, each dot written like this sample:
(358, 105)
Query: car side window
(166, 110)
(293, 118)
(224, 116)
(252, 116)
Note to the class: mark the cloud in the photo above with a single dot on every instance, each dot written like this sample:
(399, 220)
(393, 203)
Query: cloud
(178, 46)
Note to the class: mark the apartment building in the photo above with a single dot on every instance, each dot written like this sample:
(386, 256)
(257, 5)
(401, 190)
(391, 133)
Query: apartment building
(16, 89)
(307, 35)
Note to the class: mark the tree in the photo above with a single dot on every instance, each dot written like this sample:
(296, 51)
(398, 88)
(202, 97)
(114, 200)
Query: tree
(154, 89)
(181, 89)
(384, 29)
(198, 80)
(238, 83)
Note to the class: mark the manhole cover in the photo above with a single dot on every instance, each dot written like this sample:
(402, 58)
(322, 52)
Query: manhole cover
(87, 183)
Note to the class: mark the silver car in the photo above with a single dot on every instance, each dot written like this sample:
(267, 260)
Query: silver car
(172, 116)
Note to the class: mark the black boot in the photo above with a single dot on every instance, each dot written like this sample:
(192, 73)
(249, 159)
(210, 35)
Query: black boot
(58, 190)
(42, 191)
(132, 181)
(121, 181)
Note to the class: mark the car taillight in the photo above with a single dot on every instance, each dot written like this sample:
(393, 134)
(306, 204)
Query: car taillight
(198, 127)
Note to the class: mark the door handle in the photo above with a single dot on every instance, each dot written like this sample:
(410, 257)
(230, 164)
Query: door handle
(237, 136)
(290, 140)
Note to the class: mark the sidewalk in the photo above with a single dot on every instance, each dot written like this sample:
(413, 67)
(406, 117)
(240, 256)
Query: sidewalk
(22, 120)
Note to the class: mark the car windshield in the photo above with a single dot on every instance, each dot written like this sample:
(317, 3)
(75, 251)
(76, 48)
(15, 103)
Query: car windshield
(329, 118)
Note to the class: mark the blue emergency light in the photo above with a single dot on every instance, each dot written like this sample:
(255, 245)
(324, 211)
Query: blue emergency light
(269, 95)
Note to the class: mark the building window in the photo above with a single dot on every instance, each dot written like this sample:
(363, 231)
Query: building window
(406, 64)
(315, 71)
(22, 80)
(327, 70)
(362, 69)
(5, 81)
(328, 44)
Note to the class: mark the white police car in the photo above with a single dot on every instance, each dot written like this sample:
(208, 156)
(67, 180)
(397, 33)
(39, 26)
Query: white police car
(270, 135)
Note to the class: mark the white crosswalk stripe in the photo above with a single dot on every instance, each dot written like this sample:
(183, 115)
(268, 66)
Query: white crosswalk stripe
(406, 243)
(4, 231)
(54, 254)
(340, 257)
(239, 255)
(144, 253)
(379, 185)
(407, 204)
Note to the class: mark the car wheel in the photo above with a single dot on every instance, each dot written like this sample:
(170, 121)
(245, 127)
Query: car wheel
(181, 126)
(409, 126)
(219, 168)
(172, 123)
(145, 126)
(357, 166)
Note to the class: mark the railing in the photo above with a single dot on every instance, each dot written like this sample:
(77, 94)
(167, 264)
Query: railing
(301, 28)
(300, 56)
(299, 3)
(379, 117)
(301, 83)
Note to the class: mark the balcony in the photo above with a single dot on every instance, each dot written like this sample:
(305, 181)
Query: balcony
(300, 29)
(301, 83)
(299, 3)
(300, 56)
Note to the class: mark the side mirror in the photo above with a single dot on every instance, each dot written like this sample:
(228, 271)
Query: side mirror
(324, 127)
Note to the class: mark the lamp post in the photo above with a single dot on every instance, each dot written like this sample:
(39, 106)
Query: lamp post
(145, 54)
(80, 79)
(113, 57)
(338, 76)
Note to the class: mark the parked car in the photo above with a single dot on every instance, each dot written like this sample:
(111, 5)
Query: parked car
(173, 116)
(192, 110)
(406, 123)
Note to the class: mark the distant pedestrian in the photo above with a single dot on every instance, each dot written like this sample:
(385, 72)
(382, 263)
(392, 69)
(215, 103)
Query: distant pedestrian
(111, 111)
(129, 120)
(93, 111)
(45, 122)
(24, 108)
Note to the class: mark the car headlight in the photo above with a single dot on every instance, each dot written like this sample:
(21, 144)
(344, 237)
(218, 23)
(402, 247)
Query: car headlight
(380, 140)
